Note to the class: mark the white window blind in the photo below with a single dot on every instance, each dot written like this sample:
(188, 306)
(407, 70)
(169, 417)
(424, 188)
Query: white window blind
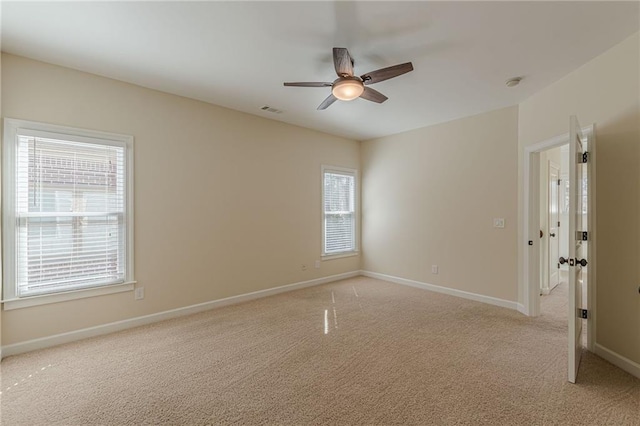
(339, 212)
(70, 214)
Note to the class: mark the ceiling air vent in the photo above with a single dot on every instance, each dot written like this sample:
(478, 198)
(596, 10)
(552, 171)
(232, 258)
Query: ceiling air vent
(271, 109)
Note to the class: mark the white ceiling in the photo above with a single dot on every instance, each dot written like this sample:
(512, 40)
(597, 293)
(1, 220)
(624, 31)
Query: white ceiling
(238, 54)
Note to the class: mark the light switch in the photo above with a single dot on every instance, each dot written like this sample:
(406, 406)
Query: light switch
(498, 222)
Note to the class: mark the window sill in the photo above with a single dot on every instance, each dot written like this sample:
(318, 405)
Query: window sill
(45, 299)
(339, 255)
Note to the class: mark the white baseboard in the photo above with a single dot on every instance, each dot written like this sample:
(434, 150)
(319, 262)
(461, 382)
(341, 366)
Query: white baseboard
(72, 336)
(618, 360)
(521, 309)
(446, 290)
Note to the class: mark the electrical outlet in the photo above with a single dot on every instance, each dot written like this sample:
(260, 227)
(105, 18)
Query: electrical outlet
(434, 269)
(139, 293)
(317, 264)
(498, 222)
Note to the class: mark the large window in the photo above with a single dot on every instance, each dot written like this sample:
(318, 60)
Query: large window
(339, 211)
(67, 210)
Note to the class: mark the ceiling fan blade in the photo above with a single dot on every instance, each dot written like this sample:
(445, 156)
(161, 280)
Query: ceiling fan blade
(386, 73)
(342, 62)
(309, 84)
(373, 95)
(327, 102)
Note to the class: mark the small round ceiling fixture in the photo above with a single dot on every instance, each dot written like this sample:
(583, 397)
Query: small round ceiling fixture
(513, 82)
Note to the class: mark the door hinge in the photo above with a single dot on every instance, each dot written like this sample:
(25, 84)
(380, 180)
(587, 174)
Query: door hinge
(559, 180)
(583, 313)
(558, 266)
(585, 157)
(582, 236)
(558, 223)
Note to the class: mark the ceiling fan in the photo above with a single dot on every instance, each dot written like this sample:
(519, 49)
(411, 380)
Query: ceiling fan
(347, 86)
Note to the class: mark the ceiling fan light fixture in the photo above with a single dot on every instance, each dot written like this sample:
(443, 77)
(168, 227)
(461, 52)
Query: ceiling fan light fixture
(347, 89)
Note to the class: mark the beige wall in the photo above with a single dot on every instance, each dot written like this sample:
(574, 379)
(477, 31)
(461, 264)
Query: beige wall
(225, 203)
(606, 92)
(429, 197)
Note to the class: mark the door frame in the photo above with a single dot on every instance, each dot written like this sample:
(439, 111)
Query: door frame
(530, 278)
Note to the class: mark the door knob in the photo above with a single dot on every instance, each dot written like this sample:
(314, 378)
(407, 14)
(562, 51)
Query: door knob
(581, 262)
(553, 235)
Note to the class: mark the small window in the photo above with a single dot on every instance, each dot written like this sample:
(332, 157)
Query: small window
(67, 209)
(339, 211)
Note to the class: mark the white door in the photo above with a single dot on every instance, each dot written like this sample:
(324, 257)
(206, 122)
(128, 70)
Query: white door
(553, 223)
(578, 241)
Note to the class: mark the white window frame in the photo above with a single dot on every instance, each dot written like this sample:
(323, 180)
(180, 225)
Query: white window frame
(12, 128)
(344, 171)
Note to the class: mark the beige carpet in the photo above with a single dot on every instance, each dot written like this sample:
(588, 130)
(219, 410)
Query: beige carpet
(386, 354)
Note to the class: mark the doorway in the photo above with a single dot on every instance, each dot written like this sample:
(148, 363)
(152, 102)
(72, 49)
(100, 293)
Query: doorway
(554, 237)
(535, 276)
(554, 164)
